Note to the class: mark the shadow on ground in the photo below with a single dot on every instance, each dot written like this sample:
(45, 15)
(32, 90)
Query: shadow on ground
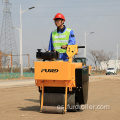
(33, 100)
(30, 108)
(37, 108)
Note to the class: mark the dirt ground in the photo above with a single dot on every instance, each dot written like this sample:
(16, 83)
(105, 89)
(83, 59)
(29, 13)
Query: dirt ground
(22, 103)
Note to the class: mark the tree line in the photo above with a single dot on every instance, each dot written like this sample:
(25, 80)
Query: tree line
(97, 56)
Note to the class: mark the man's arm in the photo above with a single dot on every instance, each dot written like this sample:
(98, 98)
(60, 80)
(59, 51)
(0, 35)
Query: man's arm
(50, 43)
(71, 41)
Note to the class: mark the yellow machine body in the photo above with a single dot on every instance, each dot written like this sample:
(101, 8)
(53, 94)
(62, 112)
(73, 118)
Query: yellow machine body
(56, 73)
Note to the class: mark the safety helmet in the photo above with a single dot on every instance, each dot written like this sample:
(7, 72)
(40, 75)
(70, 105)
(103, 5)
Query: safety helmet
(59, 15)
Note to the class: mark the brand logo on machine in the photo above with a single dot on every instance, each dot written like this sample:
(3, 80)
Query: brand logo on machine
(50, 70)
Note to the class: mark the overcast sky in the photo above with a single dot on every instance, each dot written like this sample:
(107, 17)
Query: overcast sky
(99, 16)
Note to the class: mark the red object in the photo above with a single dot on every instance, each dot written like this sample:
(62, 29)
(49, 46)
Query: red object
(59, 15)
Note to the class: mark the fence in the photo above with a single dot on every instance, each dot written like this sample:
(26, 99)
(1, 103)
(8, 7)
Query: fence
(16, 75)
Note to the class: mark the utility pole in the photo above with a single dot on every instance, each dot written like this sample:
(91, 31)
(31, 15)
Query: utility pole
(117, 56)
(20, 30)
(86, 34)
(28, 60)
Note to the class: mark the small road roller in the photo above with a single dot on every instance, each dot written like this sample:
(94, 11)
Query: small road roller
(63, 85)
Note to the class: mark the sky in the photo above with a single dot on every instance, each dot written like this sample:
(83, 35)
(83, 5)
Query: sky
(99, 16)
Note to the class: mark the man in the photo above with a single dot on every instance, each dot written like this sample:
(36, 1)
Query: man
(61, 37)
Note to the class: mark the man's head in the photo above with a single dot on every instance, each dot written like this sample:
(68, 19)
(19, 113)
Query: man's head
(59, 20)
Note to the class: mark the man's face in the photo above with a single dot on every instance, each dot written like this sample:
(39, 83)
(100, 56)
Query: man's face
(58, 22)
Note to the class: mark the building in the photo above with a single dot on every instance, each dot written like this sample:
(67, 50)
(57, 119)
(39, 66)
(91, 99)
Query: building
(110, 64)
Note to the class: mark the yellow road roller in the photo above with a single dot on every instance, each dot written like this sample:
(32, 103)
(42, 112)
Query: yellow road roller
(63, 85)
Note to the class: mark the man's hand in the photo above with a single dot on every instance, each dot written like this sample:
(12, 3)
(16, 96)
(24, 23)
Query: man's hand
(64, 46)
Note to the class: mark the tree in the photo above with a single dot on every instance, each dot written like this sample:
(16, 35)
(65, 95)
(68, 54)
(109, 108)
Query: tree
(97, 56)
(93, 57)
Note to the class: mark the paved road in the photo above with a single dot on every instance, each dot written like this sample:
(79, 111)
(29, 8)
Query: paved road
(31, 82)
(16, 83)
(24, 82)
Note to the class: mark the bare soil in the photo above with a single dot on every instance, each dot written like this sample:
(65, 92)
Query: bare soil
(22, 103)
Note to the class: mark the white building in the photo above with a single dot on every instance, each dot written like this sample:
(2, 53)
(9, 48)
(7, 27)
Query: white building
(110, 64)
